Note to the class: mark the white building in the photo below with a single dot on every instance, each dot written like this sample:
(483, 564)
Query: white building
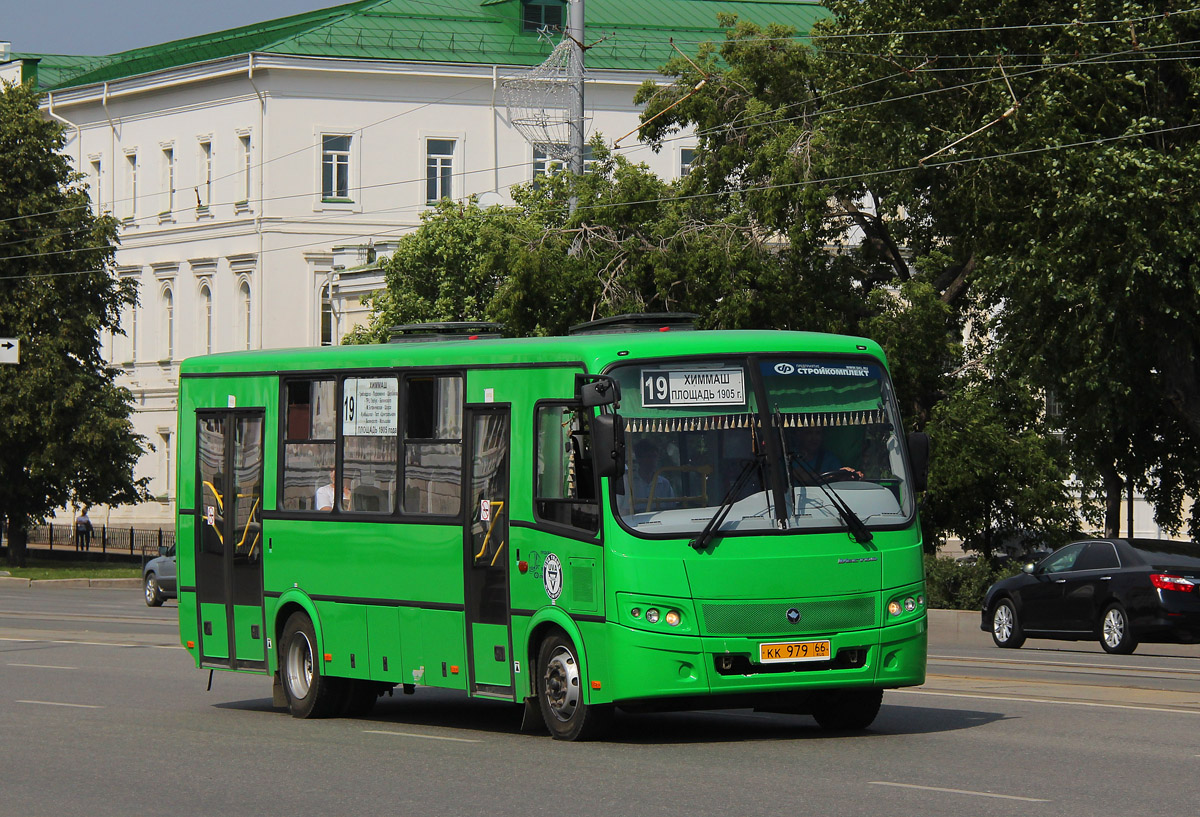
(261, 173)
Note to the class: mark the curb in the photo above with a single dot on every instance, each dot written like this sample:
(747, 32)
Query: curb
(98, 584)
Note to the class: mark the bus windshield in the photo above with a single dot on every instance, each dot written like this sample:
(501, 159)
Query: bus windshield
(782, 440)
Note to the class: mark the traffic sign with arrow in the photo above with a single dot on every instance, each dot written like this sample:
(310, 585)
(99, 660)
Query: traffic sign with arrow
(10, 350)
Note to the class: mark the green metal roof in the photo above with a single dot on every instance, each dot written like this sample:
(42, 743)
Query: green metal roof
(626, 34)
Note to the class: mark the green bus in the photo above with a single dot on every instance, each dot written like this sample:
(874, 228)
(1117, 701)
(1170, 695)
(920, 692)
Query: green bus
(637, 515)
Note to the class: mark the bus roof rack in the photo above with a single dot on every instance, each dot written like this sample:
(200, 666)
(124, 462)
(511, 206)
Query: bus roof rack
(445, 330)
(637, 322)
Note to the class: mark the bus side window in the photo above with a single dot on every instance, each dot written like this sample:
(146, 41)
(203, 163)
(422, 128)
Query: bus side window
(433, 451)
(309, 419)
(566, 488)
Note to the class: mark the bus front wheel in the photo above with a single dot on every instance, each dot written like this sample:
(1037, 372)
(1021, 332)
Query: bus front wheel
(847, 709)
(310, 694)
(561, 694)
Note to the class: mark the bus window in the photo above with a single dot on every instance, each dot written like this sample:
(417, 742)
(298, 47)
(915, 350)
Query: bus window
(370, 414)
(311, 413)
(566, 488)
(433, 445)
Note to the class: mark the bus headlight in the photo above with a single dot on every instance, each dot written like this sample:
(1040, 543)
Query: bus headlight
(673, 618)
(905, 604)
(652, 615)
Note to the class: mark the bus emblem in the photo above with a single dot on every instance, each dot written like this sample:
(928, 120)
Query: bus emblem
(552, 576)
(793, 616)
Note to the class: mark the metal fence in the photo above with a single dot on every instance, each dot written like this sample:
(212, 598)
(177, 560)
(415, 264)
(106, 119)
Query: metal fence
(129, 541)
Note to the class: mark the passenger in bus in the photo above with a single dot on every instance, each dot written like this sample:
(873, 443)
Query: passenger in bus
(645, 475)
(325, 494)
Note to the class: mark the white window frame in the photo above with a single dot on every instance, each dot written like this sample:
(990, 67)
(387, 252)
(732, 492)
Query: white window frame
(168, 181)
(204, 322)
(96, 177)
(457, 164)
(204, 184)
(686, 167)
(245, 141)
(131, 185)
(353, 170)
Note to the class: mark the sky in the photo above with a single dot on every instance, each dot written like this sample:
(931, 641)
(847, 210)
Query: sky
(94, 27)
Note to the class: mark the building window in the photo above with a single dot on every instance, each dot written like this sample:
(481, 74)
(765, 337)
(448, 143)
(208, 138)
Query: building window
(165, 437)
(335, 168)
(129, 322)
(131, 182)
(244, 184)
(326, 316)
(686, 157)
(168, 328)
(206, 317)
(546, 165)
(204, 189)
(169, 180)
(538, 14)
(244, 313)
(439, 170)
(97, 197)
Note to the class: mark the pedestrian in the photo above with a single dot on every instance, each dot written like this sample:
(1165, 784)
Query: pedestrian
(83, 531)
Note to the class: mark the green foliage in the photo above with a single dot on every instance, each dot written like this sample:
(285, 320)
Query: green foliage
(954, 585)
(630, 246)
(997, 470)
(1035, 162)
(67, 437)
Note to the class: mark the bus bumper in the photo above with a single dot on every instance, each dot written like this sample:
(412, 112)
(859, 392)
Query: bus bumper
(662, 666)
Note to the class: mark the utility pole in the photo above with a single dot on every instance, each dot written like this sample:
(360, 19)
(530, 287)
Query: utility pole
(575, 76)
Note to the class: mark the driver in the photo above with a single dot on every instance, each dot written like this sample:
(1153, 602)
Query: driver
(645, 459)
(809, 455)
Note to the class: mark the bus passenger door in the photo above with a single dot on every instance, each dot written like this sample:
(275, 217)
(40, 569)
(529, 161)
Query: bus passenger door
(229, 542)
(489, 642)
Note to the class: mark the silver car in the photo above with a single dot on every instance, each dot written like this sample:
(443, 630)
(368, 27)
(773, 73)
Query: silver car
(158, 577)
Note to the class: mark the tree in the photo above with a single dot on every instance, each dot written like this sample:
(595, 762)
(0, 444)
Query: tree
(631, 246)
(1032, 163)
(66, 435)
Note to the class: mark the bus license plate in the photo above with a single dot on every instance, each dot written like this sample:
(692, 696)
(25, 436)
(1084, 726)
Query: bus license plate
(788, 651)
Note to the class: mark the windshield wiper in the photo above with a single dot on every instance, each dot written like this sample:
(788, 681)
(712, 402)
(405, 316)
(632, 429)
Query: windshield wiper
(856, 527)
(702, 541)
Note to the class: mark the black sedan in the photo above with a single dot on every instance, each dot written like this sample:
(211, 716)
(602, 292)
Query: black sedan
(1120, 591)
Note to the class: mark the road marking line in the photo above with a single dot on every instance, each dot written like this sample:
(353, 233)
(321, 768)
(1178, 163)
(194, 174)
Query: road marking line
(415, 735)
(56, 703)
(41, 666)
(988, 697)
(959, 791)
(91, 643)
(1071, 664)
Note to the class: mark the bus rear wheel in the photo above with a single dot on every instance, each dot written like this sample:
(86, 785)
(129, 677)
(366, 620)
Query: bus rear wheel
(561, 694)
(310, 694)
(847, 709)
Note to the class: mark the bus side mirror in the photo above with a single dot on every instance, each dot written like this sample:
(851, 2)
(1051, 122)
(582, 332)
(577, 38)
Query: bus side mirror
(918, 457)
(602, 391)
(608, 445)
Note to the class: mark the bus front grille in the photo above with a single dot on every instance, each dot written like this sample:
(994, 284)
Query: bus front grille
(771, 618)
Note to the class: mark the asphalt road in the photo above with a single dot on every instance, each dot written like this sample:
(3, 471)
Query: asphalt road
(101, 713)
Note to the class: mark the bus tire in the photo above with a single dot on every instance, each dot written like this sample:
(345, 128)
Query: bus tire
(847, 709)
(310, 694)
(561, 693)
